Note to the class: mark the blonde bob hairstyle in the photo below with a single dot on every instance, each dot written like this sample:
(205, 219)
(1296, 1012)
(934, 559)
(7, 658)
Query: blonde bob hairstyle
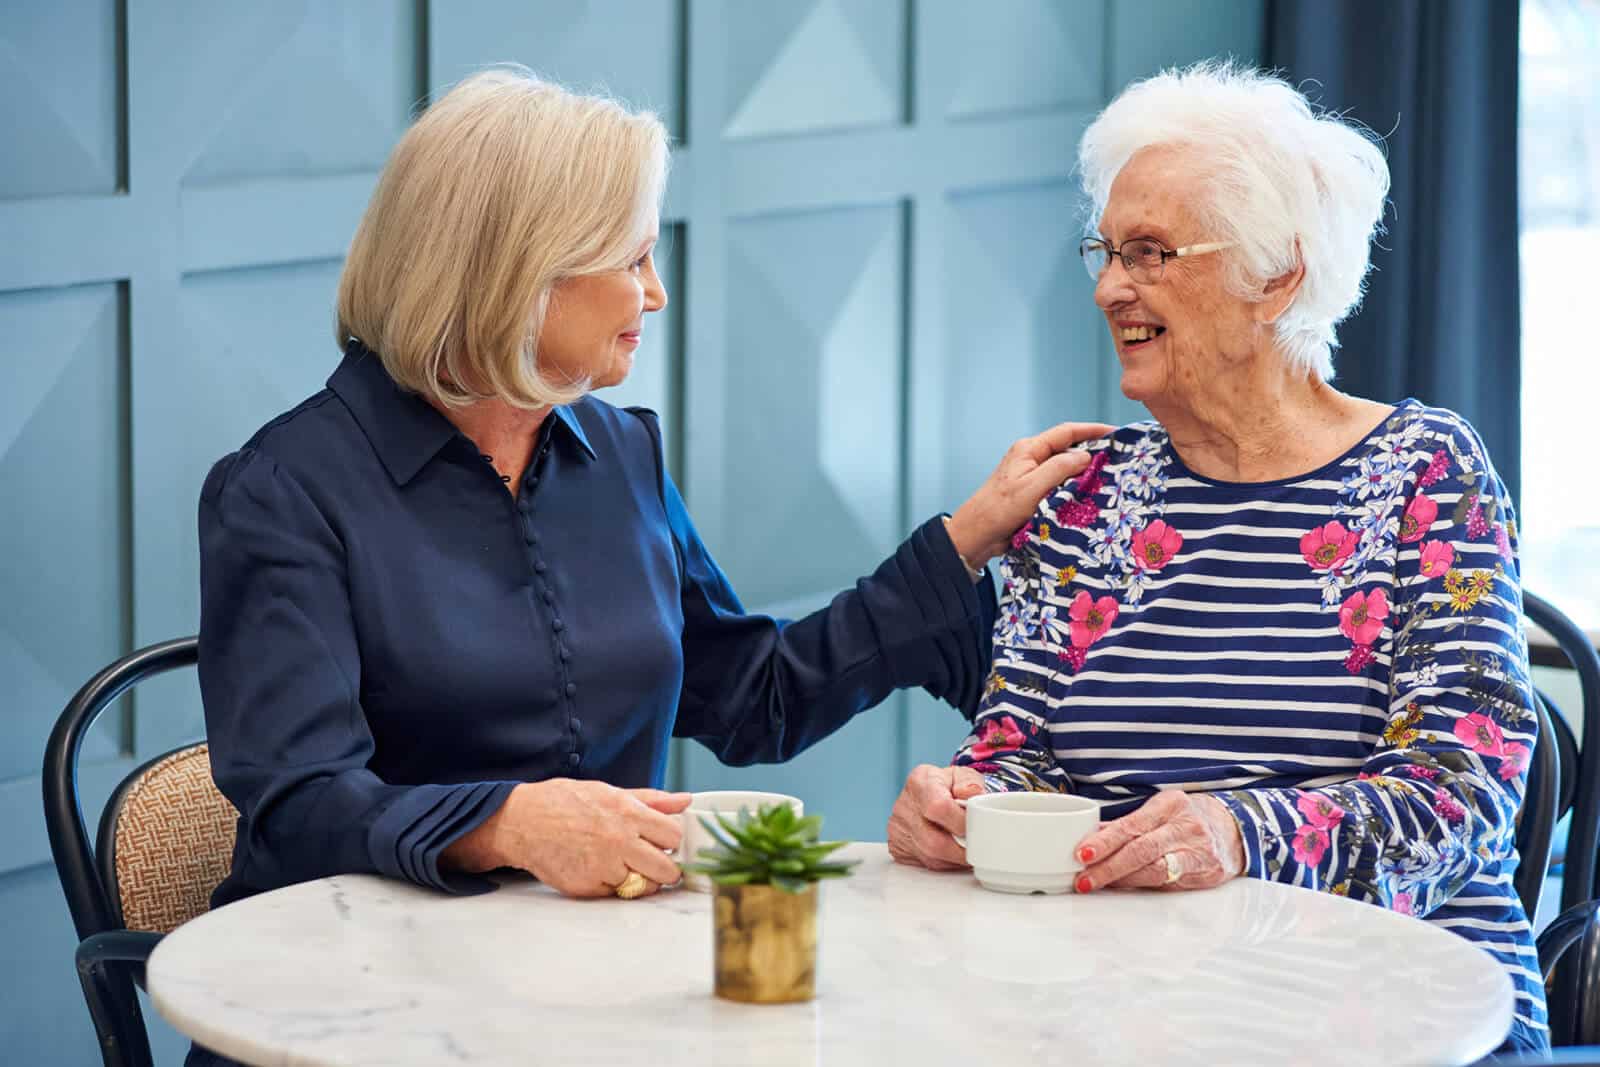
(504, 187)
(1288, 184)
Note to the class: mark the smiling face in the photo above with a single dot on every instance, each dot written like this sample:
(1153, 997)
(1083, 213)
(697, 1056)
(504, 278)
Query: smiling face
(594, 322)
(1178, 334)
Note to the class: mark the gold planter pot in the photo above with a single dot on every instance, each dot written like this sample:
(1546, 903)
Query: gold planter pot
(766, 943)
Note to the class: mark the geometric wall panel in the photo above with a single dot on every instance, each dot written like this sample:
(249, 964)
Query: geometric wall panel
(810, 463)
(63, 541)
(296, 88)
(254, 343)
(812, 423)
(623, 47)
(1024, 55)
(60, 78)
(814, 65)
(1191, 30)
(1023, 328)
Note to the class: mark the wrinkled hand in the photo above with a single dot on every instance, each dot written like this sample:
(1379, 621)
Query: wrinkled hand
(982, 527)
(579, 838)
(926, 815)
(1198, 830)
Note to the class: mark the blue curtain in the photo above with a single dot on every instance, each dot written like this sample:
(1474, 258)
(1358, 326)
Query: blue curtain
(1438, 78)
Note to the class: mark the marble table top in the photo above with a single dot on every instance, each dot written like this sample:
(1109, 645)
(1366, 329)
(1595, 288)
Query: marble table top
(914, 967)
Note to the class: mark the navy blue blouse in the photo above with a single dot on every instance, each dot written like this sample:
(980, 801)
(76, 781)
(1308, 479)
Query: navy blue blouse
(390, 641)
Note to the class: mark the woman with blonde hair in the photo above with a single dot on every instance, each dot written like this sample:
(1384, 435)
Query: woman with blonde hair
(453, 608)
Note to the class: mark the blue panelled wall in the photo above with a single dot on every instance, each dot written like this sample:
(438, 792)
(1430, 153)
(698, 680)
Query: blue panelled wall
(871, 247)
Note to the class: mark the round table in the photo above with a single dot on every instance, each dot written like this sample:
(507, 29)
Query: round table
(914, 967)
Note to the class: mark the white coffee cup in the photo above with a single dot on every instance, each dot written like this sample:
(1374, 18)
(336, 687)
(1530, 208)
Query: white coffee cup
(727, 803)
(1027, 842)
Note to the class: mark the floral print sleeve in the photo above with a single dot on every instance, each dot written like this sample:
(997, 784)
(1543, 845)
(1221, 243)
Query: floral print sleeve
(1435, 804)
(1010, 740)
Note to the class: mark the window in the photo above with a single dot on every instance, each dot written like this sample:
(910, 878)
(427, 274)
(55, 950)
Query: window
(1559, 176)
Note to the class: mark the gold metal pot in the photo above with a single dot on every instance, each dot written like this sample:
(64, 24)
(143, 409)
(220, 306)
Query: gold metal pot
(766, 943)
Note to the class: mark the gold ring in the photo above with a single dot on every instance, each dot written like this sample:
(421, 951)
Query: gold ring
(1173, 873)
(635, 885)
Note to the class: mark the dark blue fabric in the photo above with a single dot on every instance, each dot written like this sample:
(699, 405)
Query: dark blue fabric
(1438, 79)
(390, 641)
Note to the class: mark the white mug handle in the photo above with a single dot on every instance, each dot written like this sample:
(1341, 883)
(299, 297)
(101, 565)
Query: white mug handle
(959, 839)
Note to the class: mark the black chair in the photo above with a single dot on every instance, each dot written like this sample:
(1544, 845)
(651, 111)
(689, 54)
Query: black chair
(1583, 836)
(1572, 979)
(1541, 809)
(164, 843)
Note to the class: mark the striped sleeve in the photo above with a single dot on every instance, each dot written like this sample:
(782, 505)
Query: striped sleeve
(1010, 739)
(1435, 804)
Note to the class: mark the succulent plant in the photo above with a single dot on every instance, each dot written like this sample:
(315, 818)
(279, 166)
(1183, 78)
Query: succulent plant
(772, 847)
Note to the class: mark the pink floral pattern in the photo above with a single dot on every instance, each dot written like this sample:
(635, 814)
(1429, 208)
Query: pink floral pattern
(1449, 809)
(1502, 543)
(1477, 525)
(995, 736)
(1362, 614)
(1155, 545)
(1420, 515)
(1437, 557)
(1513, 760)
(1359, 659)
(1310, 844)
(1078, 513)
(1328, 546)
(1438, 467)
(1091, 618)
(1081, 511)
(1481, 734)
(1320, 810)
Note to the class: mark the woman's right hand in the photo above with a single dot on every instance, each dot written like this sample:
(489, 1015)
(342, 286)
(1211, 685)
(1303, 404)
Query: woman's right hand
(580, 838)
(926, 818)
(982, 527)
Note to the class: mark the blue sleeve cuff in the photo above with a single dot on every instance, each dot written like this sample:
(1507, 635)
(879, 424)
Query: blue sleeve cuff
(407, 840)
(1251, 832)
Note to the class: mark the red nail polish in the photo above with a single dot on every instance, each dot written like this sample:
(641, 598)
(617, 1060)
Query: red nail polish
(1083, 884)
(1086, 854)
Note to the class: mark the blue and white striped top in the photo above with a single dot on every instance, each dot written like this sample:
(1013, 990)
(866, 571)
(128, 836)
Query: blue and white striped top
(1338, 657)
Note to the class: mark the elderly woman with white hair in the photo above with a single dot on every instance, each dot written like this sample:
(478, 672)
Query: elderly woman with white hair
(453, 609)
(1275, 631)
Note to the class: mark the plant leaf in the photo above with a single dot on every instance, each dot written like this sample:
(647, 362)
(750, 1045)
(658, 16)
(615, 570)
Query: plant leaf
(817, 852)
(772, 846)
(723, 836)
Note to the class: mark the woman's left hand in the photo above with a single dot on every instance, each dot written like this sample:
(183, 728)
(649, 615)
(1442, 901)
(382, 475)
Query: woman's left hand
(982, 527)
(1196, 830)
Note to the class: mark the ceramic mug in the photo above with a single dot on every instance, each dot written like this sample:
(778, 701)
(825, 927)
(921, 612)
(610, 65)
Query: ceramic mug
(728, 804)
(1027, 842)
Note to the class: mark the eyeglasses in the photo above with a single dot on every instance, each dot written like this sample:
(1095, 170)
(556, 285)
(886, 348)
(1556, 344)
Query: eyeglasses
(1143, 257)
